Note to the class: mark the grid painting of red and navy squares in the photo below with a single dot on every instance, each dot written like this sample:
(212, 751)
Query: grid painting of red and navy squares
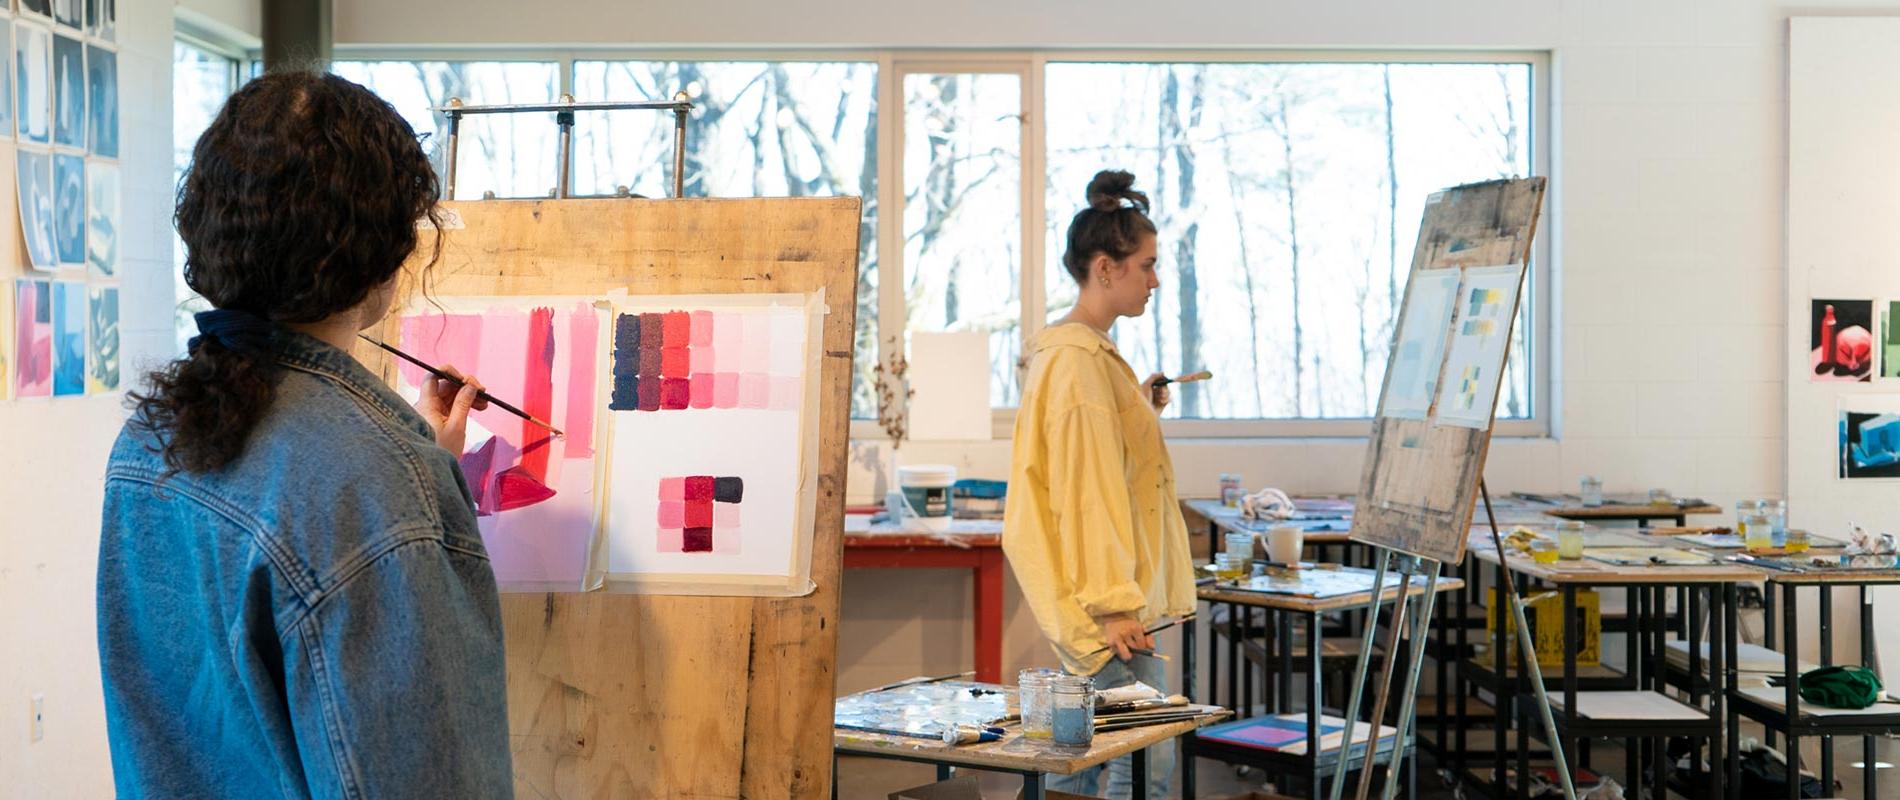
(700, 514)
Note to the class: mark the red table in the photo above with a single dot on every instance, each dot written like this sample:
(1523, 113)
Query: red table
(973, 545)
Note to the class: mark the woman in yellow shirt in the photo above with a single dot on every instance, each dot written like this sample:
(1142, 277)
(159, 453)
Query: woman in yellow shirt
(1092, 529)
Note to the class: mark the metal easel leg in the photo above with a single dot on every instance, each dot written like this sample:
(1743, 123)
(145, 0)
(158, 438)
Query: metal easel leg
(1408, 702)
(1359, 669)
(1408, 566)
(1529, 649)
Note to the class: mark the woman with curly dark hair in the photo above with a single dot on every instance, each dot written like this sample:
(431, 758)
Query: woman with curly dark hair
(293, 596)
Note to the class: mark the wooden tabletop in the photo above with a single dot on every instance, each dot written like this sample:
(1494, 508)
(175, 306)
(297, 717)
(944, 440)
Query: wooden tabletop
(1510, 511)
(1226, 592)
(859, 531)
(1589, 572)
(1631, 511)
(1017, 752)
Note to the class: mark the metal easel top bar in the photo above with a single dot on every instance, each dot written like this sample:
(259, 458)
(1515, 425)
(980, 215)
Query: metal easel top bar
(454, 108)
(563, 110)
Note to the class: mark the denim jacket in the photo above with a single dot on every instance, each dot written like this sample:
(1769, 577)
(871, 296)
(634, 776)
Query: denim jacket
(317, 619)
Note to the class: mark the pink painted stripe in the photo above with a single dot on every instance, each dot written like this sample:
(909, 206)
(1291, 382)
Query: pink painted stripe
(583, 327)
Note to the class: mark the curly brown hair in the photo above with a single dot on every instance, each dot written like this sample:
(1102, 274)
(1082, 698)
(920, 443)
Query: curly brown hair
(1113, 224)
(303, 196)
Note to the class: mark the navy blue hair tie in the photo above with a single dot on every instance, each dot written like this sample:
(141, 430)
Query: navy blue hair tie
(238, 331)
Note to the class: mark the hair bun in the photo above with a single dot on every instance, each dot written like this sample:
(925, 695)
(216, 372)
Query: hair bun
(1110, 187)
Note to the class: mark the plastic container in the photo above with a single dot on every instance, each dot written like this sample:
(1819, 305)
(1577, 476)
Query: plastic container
(1230, 489)
(1072, 710)
(1757, 533)
(1544, 551)
(1797, 541)
(1228, 567)
(1777, 513)
(1570, 540)
(1591, 491)
(1032, 700)
(1743, 509)
(927, 487)
(1240, 545)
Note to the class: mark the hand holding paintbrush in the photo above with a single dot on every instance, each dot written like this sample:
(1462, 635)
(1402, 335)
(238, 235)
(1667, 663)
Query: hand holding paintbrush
(441, 407)
(1158, 385)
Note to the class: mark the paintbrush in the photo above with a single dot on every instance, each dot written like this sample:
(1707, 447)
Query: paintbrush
(459, 383)
(1151, 631)
(1188, 378)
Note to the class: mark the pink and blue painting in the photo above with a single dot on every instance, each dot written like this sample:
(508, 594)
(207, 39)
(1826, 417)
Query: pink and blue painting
(32, 338)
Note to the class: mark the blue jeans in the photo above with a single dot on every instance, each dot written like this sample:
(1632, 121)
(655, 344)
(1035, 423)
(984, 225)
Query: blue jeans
(1121, 779)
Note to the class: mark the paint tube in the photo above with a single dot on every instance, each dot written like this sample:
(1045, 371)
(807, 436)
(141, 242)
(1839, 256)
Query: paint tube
(962, 733)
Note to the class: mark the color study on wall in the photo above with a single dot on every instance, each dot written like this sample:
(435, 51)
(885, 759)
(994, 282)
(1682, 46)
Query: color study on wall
(1841, 340)
(69, 338)
(33, 338)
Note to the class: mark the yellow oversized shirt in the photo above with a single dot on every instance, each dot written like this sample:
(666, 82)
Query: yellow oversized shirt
(1092, 526)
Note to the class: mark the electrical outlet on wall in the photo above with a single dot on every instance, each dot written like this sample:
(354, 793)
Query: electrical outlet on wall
(39, 717)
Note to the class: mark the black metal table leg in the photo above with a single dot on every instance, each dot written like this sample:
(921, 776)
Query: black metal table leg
(1032, 786)
(1139, 761)
(1827, 660)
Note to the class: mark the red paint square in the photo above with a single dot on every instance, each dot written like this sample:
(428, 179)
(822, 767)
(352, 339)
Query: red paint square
(697, 540)
(699, 514)
(672, 488)
(699, 487)
(675, 393)
(678, 327)
(702, 389)
(649, 393)
(676, 362)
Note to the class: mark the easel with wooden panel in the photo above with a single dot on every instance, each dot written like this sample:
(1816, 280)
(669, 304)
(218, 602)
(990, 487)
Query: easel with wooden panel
(1423, 479)
(639, 695)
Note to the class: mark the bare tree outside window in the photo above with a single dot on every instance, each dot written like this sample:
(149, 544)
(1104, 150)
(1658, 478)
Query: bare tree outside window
(1288, 197)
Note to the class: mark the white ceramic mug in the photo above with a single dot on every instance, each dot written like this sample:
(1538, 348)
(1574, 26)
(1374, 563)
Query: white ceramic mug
(1284, 544)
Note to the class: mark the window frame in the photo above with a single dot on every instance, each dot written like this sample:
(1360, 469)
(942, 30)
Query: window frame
(1031, 67)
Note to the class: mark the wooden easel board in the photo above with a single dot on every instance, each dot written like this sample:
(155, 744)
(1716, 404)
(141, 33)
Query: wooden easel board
(626, 695)
(1420, 478)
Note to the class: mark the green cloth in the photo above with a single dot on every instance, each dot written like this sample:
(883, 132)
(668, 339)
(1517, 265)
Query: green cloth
(1840, 687)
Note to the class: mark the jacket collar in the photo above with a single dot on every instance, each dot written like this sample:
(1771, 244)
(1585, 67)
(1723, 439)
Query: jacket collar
(308, 354)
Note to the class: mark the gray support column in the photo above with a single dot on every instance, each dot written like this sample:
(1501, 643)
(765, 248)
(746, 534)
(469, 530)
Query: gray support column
(297, 34)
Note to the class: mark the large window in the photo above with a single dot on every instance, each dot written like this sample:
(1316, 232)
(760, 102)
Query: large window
(1288, 198)
(202, 77)
(511, 155)
(1287, 192)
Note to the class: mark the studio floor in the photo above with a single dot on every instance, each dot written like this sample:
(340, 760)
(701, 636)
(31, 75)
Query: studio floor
(876, 779)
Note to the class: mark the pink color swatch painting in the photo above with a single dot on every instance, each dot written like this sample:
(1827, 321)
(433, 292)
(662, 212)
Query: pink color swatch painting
(700, 514)
(33, 338)
(533, 491)
(678, 360)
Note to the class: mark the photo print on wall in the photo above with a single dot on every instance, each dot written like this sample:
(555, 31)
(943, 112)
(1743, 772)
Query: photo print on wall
(102, 218)
(1869, 431)
(34, 176)
(102, 337)
(6, 82)
(33, 87)
(1841, 340)
(1890, 339)
(69, 208)
(102, 101)
(69, 91)
(69, 338)
(33, 338)
(102, 19)
(70, 13)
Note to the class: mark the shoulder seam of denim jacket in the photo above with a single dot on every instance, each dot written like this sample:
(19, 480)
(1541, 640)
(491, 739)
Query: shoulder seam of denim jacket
(343, 761)
(395, 539)
(419, 480)
(304, 354)
(301, 577)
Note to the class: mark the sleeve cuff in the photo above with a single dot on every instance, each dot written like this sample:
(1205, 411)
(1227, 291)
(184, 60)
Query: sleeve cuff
(1120, 598)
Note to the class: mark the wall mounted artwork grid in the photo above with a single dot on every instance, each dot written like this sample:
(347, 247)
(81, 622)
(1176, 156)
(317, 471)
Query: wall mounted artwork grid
(656, 397)
(59, 103)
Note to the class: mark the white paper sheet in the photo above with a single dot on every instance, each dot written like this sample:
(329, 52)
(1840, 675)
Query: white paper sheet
(1480, 336)
(764, 539)
(950, 379)
(1421, 344)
